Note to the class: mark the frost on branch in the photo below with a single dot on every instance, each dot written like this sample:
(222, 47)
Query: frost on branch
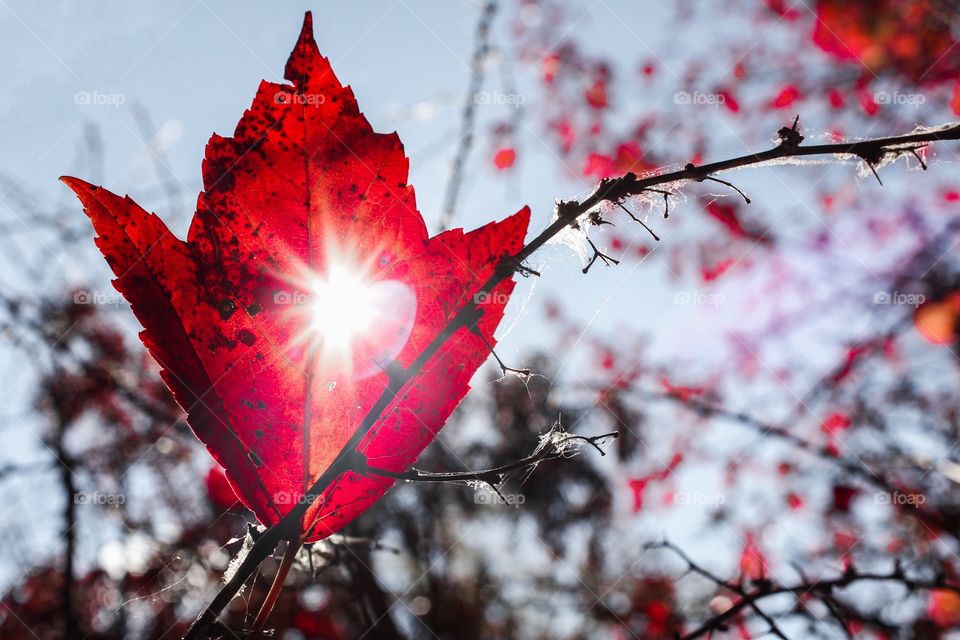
(241, 555)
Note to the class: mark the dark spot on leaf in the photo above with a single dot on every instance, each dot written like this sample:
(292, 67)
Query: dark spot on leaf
(226, 308)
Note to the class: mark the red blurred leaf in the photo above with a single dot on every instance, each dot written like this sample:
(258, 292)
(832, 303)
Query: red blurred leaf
(753, 564)
(628, 157)
(943, 607)
(305, 203)
(782, 8)
(729, 216)
(834, 423)
(565, 133)
(836, 99)
(712, 272)
(853, 355)
(550, 67)
(914, 39)
(794, 501)
(504, 158)
(219, 490)
(596, 95)
(936, 320)
(868, 103)
(729, 100)
(843, 496)
(639, 485)
(787, 96)
(681, 392)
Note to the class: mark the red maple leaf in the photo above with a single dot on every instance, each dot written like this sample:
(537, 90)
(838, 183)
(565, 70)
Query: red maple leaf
(306, 288)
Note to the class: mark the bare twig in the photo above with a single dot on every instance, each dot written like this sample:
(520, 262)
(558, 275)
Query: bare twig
(277, 586)
(469, 114)
(821, 589)
(597, 254)
(690, 167)
(868, 474)
(504, 369)
(641, 222)
(548, 450)
(69, 487)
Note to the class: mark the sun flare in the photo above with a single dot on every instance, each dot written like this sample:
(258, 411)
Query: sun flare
(343, 305)
(351, 323)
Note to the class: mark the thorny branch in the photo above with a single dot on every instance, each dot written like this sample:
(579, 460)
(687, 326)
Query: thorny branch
(748, 596)
(567, 213)
(553, 445)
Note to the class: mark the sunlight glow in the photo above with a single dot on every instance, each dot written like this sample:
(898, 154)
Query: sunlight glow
(351, 324)
(343, 306)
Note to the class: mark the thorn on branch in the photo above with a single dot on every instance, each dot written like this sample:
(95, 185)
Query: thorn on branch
(874, 170)
(607, 260)
(666, 201)
(790, 137)
(596, 218)
(496, 489)
(692, 167)
(914, 150)
(873, 157)
(596, 441)
(526, 271)
(605, 188)
(510, 264)
(552, 446)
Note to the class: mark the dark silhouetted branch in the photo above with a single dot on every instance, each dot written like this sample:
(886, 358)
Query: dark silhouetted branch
(823, 590)
(608, 191)
(552, 446)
